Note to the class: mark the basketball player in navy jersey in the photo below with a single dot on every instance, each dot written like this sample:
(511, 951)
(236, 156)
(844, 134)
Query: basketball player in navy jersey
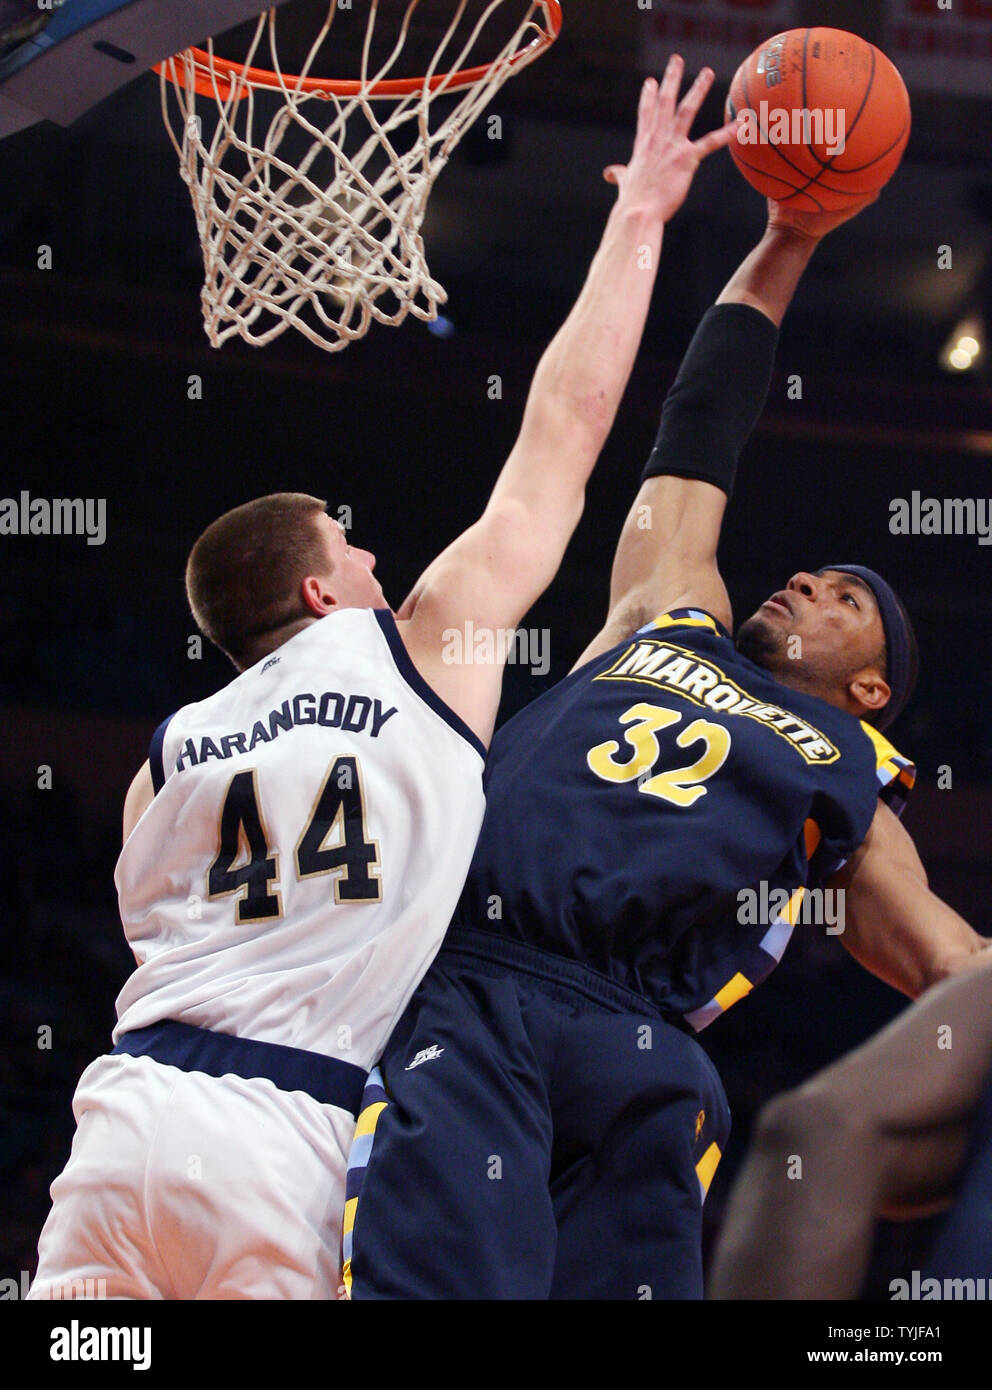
(544, 1124)
(895, 1129)
(296, 842)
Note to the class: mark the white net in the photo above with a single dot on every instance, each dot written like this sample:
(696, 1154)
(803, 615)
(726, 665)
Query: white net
(309, 203)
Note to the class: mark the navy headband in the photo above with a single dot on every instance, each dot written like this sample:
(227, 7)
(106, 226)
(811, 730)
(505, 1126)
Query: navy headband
(902, 659)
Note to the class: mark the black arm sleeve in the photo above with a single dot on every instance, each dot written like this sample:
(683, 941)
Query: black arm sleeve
(717, 397)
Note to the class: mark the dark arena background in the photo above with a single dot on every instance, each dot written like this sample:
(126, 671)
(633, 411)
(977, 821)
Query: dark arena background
(100, 353)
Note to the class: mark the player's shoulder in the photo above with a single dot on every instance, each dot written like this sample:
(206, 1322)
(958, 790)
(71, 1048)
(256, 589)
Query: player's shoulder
(677, 631)
(140, 795)
(895, 773)
(684, 625)
(425, 672)
(693, 619)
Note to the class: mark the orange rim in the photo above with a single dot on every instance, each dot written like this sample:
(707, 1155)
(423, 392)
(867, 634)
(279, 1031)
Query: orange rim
(227, 72)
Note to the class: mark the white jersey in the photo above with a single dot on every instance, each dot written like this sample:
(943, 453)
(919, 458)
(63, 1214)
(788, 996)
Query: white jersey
(312, 827)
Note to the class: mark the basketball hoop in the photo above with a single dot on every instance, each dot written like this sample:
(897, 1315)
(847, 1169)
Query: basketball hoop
(308, 196)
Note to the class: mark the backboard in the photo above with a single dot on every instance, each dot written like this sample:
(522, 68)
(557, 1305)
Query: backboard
(89, 48)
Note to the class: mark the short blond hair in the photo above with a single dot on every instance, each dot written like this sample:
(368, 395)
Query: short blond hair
(244, 573)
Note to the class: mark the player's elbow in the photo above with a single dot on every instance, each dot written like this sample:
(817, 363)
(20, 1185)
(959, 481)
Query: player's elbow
(570, 415)
(971, 952)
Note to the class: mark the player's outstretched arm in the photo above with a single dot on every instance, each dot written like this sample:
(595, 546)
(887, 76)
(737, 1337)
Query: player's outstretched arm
(666, 556)
(893, 924)
(882, 1132)
(494, 572)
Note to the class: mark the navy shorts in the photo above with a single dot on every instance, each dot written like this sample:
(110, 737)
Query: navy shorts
(546, 1136)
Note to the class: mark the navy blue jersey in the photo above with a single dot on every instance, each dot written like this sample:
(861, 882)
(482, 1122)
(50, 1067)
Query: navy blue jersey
(662, 813)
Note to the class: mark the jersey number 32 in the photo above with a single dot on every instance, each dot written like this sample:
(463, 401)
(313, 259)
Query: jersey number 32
(682, 786)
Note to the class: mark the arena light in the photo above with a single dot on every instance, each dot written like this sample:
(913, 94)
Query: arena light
(964, 347)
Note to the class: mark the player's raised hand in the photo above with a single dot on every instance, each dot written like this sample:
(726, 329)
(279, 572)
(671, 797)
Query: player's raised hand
(664, 159)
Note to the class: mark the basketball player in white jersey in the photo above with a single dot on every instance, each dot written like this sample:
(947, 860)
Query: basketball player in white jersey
(295, 844)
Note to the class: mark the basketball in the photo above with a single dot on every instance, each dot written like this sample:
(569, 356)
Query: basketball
(825, 120)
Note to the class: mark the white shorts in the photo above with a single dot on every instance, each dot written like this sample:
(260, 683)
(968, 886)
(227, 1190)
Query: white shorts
(182, 1185)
